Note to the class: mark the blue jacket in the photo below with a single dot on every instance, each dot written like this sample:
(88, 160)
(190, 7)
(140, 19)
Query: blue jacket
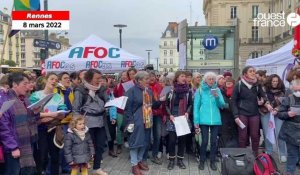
(206, 106)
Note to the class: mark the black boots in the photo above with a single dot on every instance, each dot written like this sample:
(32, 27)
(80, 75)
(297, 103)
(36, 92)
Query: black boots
(171, 164)
(213, 166)
(180, 163)
(201, 165)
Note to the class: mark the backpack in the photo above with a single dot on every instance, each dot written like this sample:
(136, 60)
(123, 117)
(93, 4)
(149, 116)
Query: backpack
(264, 164)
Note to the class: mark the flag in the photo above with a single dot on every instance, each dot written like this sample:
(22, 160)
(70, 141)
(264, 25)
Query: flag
(296, 48)
(271, 130)
(25, 5)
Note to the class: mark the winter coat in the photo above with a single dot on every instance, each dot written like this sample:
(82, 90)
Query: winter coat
(77, 150)
(244, 100)
(93, 109)
(16, 128)
(134, 115)
(290, 129)
(206, 106)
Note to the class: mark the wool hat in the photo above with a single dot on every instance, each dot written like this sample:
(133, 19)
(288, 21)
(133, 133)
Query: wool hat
(227, 74)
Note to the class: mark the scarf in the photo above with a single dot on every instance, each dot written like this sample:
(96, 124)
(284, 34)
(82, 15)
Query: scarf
(156, 90)
(92, 89)
(229, 91)
(147, 109)
(249, 80)
(66, 93)
(81, 134)
(181, 90)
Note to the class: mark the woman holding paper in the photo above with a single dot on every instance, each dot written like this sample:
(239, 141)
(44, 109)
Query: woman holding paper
(247, 96)
(207, 104)
(275, 90)
(119, 92)
(178, 103)
(15, 135)
(49, 120)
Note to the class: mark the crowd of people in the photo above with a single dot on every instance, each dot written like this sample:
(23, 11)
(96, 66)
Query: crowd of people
(71, 131)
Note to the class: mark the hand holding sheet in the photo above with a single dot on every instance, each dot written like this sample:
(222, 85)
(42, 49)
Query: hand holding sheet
(41, 103)
(181, 125)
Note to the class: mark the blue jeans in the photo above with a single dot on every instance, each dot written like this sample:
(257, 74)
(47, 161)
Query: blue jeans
(136, 155)
(12, 165)
(213, 142)
(147, 143)
(281, 143)
(156, 135)
(293, 153)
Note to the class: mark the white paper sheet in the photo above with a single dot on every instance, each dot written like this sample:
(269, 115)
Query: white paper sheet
(41, 103)
(165, 90)
(63, 111)
(241, 124)
(117, 102)
(127, 85)
(181, 126)
(296, 110)
(6, 105)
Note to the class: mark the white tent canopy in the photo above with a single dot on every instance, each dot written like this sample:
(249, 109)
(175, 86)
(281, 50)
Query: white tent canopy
(95, 53)
(274, 62)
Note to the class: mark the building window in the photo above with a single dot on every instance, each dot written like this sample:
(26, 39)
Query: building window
(254, 33)
(165, 70)
(1, 28)
(171, 69)
(171, 52)
(165, 43)
(233, 10)
(22, 48)
(171, 43)
(201, 52)
(171, 60)
(254, 54)
(22, 40)
(165, 52)
(165, 61)
(23, 55)
(36, 55)
(254, 11)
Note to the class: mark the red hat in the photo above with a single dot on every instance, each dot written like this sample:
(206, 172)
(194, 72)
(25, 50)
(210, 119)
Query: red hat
(227, 74)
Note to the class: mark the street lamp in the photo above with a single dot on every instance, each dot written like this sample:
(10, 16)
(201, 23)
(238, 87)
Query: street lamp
(120, 26)
(148, 55)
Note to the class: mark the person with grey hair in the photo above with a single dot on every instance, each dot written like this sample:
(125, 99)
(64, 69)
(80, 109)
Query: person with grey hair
(289, 131)
(138, 112)
(208, 101)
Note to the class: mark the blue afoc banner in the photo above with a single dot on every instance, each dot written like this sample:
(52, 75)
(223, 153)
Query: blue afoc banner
(210, 42)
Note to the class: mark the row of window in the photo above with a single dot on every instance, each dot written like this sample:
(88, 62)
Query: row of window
(255, 10)
(166, 70)
(166, 52)
(166, 43)
(166, 61)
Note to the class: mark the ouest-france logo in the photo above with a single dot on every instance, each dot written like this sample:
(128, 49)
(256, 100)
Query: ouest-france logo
(276, 19)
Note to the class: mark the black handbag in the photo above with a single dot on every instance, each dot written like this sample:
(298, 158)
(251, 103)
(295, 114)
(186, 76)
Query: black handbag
(237, 161)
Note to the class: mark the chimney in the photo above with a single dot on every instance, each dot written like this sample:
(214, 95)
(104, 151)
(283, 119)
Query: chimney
(196, 23)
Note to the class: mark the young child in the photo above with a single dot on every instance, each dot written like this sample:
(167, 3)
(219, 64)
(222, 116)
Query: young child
(78, 146)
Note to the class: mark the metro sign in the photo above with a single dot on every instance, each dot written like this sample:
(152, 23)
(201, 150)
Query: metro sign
(210, 42)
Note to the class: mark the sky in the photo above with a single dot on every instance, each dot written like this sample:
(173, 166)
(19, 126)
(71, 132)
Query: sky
(146, 20)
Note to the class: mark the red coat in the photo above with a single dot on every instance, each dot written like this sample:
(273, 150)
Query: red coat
(119, 92)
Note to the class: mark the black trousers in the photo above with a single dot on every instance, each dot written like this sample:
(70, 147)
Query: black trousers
(99, 139)
(112, 131)
(172, 145)
(46, 147)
